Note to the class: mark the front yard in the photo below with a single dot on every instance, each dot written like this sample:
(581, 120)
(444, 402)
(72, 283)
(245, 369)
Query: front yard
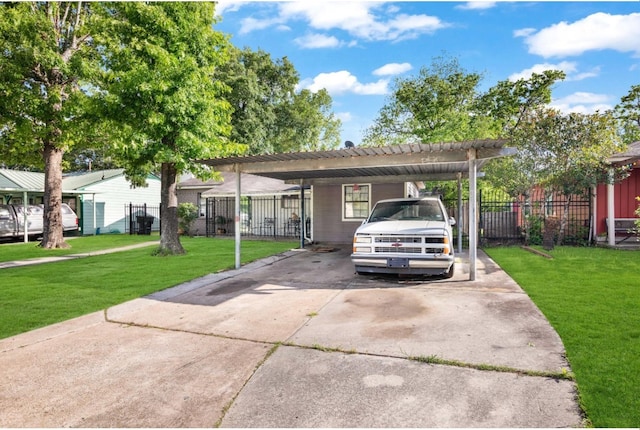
(591, 296)
(36, 296)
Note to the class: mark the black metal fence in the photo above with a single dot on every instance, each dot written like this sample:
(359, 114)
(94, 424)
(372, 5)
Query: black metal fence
(141, 218)
(269, 216)
(503, 220)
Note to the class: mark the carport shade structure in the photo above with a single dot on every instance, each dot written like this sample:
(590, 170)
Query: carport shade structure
(630, 156)
(383, 164)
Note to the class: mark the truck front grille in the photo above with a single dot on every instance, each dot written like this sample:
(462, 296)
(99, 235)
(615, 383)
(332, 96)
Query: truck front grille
(391, 244)
(398, 250)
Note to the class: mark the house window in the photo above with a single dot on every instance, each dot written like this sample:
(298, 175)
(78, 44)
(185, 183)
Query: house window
(202, 205)
(356, 201)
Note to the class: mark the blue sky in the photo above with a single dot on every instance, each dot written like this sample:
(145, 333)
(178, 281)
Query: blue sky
(356, 49)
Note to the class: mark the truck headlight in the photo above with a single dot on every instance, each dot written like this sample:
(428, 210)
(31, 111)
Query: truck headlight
(362, 239)
(366, 249)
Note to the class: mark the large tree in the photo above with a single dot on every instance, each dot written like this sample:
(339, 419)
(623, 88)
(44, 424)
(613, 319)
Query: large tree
(437, 105)
(307, 123)
(511, 104)
(571, 152)
(269, 114)
(159, 91)
(45, 50)
(628, 114)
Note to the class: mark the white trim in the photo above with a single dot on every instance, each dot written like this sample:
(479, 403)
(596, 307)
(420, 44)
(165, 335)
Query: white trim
(343, 207)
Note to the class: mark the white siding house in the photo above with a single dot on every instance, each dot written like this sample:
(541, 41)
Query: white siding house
(106, 194)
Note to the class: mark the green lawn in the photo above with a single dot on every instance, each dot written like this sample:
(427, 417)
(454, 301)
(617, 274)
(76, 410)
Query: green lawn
(36, 296)
(591, 296)
(79, 245)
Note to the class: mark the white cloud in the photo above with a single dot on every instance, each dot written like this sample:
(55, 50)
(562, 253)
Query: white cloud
(344, 116)
(598, 31)
(584, 75)
(477, 5)
(229, 6)
(523, 32)
(313, 41)
(567, 67)
(342, 82)
(247, 25)
(582, 102)
(359, 19)
(570, 68)
(392, 69)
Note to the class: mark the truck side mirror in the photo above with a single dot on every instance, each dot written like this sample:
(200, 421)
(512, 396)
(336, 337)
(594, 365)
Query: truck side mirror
(452, 221)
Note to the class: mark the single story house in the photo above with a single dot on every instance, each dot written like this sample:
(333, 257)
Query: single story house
(270, 207)
(103, 200)
(22, 187)
(108, 202)
(345, 183)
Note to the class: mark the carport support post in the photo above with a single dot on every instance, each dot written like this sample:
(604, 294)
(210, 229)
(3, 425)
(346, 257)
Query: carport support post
(237, 217)
(302, 214)
(459, 220)
(473, 225)
(611, 215)
(24, 214)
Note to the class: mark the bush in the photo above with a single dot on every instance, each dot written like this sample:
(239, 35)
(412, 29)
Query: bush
(187, 214)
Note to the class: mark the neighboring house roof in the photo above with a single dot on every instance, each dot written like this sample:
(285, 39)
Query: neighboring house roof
(73, 183)
(20, 180)
(631, 155)
(197, 184)
(251, 184)
(80, 180)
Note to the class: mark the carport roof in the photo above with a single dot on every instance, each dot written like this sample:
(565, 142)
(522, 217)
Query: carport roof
(630, 156)
(409, 162)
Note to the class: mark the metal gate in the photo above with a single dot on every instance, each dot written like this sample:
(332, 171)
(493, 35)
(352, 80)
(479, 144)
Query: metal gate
(268, 216)
(521, 220)
(141, 218)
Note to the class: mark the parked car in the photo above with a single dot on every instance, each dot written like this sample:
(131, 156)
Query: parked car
(405, 236)
(12, 220)
(69, 218)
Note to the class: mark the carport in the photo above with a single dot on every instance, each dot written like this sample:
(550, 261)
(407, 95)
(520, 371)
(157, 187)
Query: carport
(395, 163)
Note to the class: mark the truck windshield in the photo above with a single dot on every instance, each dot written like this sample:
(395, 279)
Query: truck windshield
(423, 210)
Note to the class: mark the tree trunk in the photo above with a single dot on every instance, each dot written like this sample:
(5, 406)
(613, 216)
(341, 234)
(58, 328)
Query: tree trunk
(52, 235)
(169, 236)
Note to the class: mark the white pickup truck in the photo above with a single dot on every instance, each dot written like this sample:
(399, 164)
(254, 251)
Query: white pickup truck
(405, 236)
(12, 220)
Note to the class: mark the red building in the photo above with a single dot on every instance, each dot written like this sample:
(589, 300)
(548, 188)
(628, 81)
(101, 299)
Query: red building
(618, 201)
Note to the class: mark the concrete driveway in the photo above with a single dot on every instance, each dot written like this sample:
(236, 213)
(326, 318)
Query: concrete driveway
(298, 340)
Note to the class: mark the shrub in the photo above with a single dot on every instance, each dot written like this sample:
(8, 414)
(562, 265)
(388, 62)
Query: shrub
(187, 214)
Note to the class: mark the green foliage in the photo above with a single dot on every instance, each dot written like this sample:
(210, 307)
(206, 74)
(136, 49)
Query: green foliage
(307, 123)
(269, 116)
(590, 296)
(448, 190)
(47, 54)
(435, 106)
(510, 102)
(160, 96)
(158, 86)
(534, 226)
(187, 214)
(628, 115)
